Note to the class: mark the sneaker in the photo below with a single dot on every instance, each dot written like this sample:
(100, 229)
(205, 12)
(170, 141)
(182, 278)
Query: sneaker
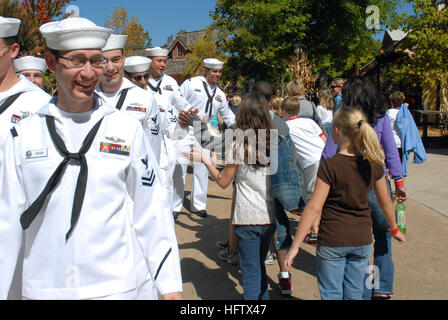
(311, 239)
(285, 285)
(231, 258)
(222, 244)
(269, 259)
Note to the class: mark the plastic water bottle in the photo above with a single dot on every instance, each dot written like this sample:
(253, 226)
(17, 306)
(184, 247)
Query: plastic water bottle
(400, 215)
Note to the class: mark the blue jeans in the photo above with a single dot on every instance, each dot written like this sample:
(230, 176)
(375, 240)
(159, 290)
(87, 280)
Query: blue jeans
(253, 244)
(382, 250)
(340, 271)
(282, 237)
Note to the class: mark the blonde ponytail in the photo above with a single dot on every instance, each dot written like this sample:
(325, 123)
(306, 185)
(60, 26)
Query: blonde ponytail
(353, 124)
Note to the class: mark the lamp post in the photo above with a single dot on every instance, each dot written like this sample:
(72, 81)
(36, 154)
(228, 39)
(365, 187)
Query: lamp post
(298, 50)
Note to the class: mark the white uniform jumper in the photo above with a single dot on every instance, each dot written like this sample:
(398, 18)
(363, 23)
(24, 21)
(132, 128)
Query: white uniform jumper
(167, 86)
(171, 101)
(27, 99)
(129, 102)
(208, 100)
(136, 102)
(17, 103)
(84, 248)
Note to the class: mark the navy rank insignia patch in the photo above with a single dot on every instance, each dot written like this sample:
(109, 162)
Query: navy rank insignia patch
(148, 180)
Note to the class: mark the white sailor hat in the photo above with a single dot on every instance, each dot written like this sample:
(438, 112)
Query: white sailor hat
(157, 52)
(212, 63)
(30, 63)
(137, 64)
(74, 33)
(9, 27)
(115, 41)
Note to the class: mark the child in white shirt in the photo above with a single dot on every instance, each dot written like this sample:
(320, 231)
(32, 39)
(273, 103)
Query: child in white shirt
(309, 141)
(325, 109)
(396, 100)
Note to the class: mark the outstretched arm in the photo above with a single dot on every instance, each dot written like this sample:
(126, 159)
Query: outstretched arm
(223, 178)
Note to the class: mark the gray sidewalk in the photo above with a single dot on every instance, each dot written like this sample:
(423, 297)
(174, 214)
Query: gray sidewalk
(420, 263)
(428, 182)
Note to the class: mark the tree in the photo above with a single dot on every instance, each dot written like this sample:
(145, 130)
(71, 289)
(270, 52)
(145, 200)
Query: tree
(138, 38)
(261, 36)
(34, 13)
(201, 49)
(39, 12)
(428, 40)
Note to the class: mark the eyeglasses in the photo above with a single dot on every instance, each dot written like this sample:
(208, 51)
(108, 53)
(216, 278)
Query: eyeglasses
(332, 87)
(79, 62)
(139, 77)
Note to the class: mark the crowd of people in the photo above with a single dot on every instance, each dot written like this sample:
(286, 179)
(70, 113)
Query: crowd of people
(92, 177)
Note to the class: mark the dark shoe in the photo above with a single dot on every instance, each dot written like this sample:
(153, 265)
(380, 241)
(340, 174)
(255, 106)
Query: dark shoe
(176, 214)
(201, 213)
(222, 244)
(285, 285)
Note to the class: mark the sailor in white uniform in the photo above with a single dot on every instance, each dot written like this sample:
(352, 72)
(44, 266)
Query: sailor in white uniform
(19, 98)
(137, 70)
(162, 83)
(120, 93)
(66, 175)
(202, 92)
(167, 92)
(32, 68)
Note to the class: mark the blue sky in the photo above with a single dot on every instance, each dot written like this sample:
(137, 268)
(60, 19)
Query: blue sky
(163, 18)
(160, 18)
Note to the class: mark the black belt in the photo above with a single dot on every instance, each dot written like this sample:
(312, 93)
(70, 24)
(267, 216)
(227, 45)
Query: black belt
(209, 106)
(30, 214)
(156, 88)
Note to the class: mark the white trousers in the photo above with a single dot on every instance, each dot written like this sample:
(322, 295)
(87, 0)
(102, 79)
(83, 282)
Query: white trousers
(200, 179)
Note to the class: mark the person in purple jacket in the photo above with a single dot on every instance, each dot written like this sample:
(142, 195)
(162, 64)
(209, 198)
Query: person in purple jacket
(359, 92)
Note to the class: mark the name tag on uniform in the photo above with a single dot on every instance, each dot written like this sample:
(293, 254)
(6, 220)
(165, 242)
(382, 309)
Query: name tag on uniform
(35, 154)
(136, 109)
(113, 148)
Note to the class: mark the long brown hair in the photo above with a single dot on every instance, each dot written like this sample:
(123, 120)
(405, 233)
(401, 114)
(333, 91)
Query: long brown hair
(253, 120)
(326, 98)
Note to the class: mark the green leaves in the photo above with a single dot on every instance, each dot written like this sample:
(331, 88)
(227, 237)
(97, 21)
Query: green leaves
(265, 33)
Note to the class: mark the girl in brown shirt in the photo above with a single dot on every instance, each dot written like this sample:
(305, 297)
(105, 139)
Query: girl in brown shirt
(341, 194)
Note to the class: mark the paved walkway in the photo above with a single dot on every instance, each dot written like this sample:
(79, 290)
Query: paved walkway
(420, 264)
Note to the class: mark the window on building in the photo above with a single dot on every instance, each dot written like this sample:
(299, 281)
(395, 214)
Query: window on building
(180, 51)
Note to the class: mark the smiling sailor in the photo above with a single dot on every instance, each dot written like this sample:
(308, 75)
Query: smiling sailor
(66, 174)
(120, 93)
